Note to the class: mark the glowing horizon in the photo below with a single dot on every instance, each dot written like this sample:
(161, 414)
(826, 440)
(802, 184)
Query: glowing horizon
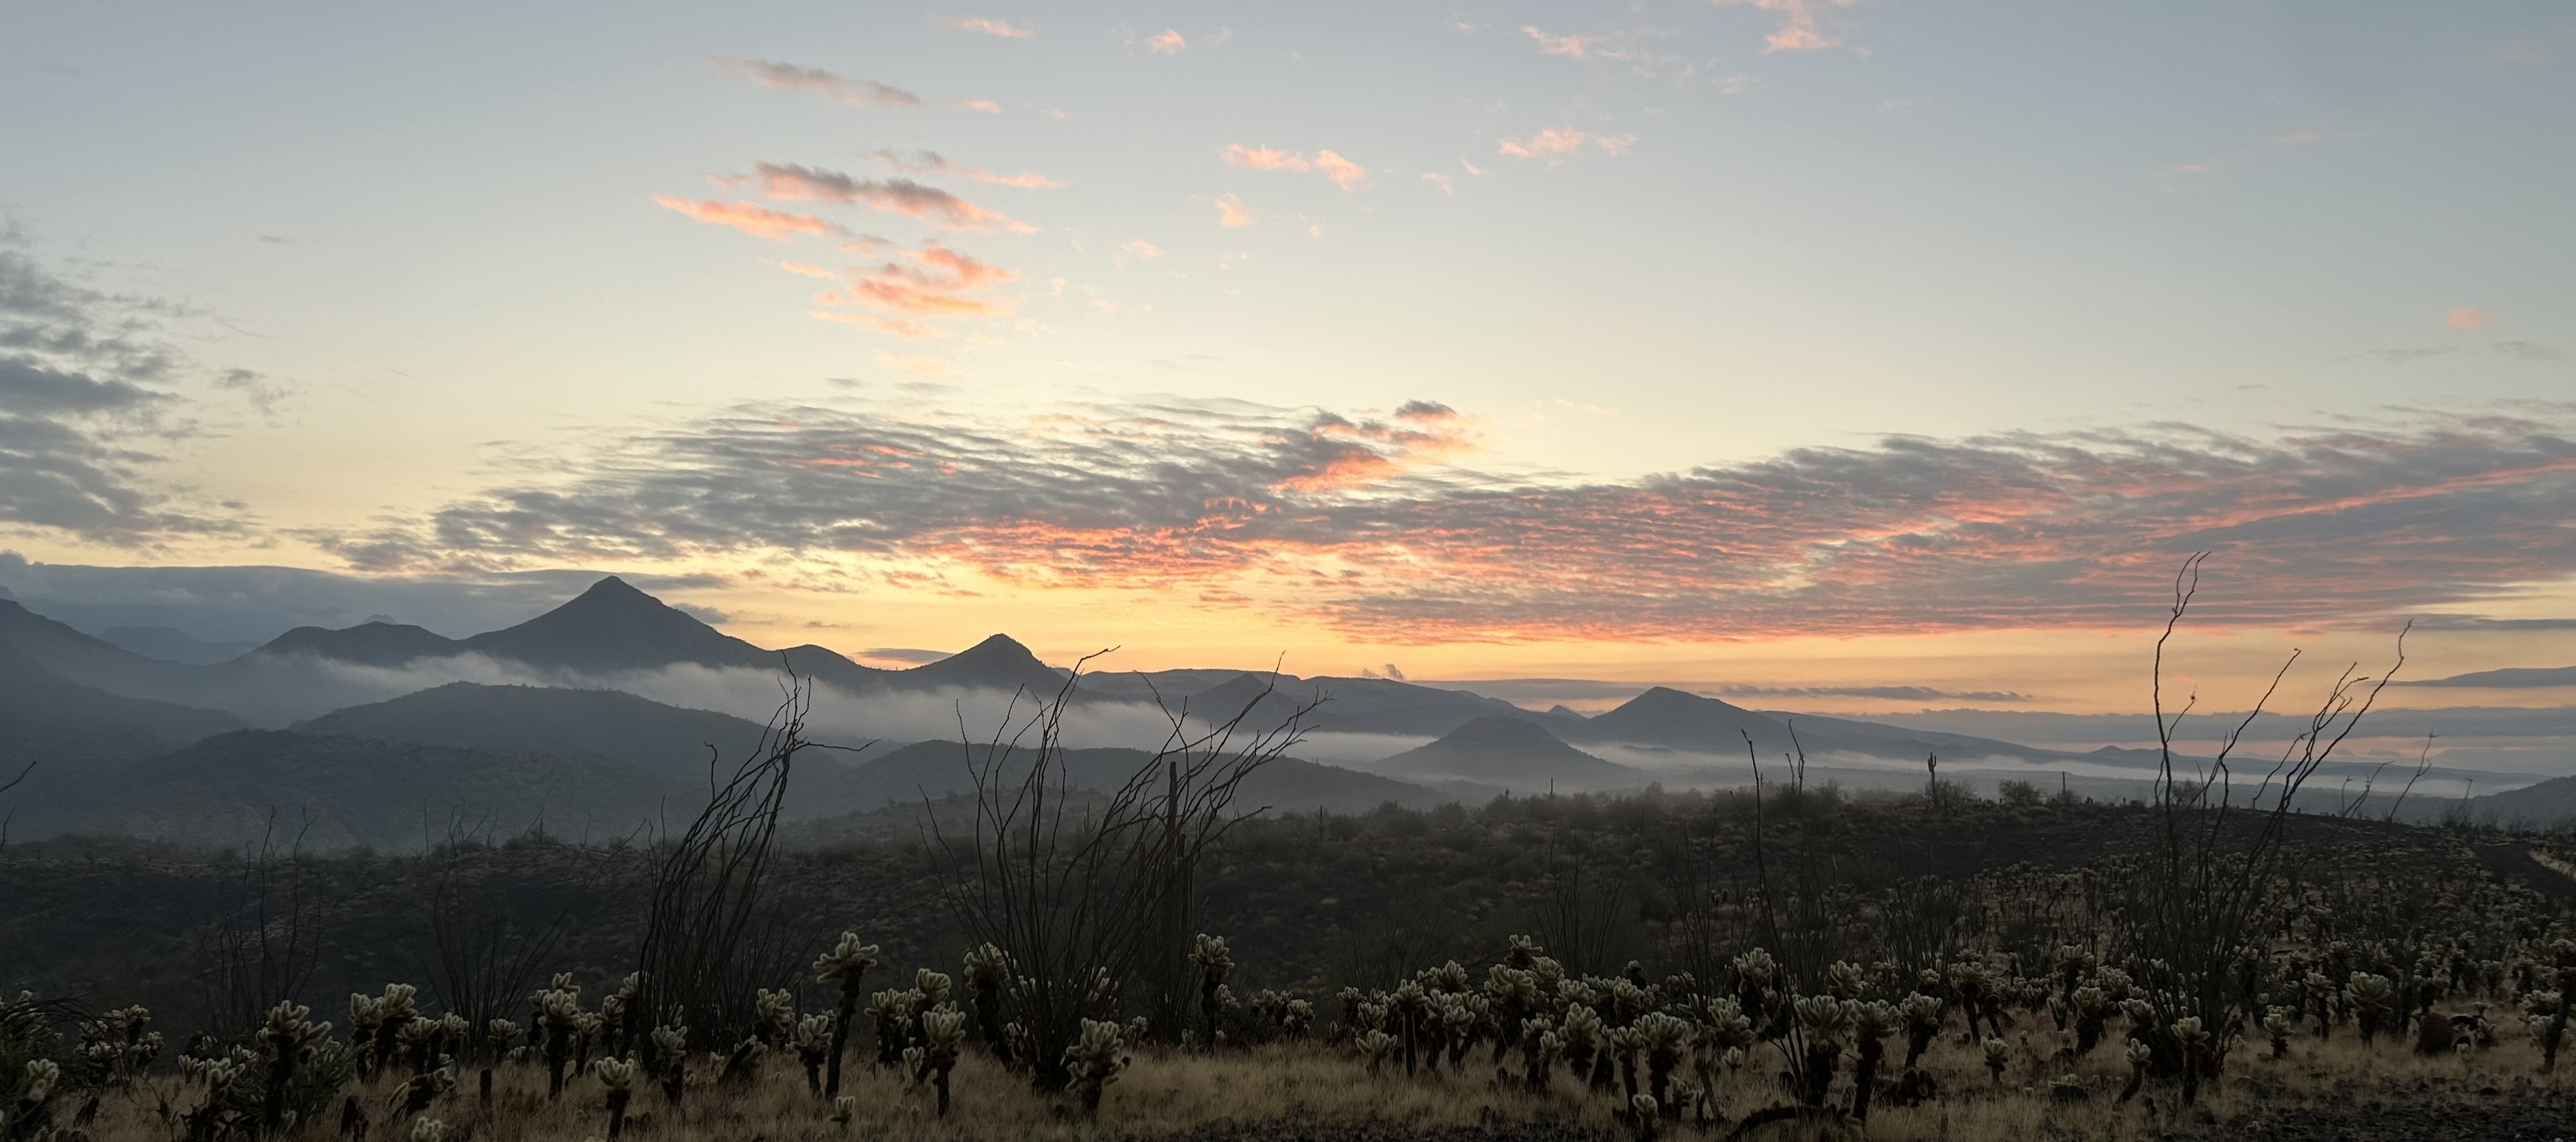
(1812, 349)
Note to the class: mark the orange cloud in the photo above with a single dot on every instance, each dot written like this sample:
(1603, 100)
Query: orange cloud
(988, 26)
(1140, 250)
(2469, 317)
(1169, 43)
(893, 195)
(750, 218)
(1548, 142)
(1231, 213)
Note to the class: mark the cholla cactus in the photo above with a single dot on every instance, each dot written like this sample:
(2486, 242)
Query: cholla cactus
(669, 1061)
(1582, 1035)
(1997, 1054)
(1214, 964)
(618, 1076)
(843, 966)
(943, 1033)
(1844, 980)
(2370, 995)
(2278, 1023)
(1664, 1038)
(813, 1043)
(1824, 1020)
(497, 1037)
(1096, 1060)
(987, 973)
(773, 1017)
(289, 1037)
(558, 1011)
(1922, 1016)
(1641, 1114)
(1375, 1047)
(32, 1115)
(1872, 1023)
(2195, 1040)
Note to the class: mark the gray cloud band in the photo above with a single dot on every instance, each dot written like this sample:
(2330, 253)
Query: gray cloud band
(1350, 520)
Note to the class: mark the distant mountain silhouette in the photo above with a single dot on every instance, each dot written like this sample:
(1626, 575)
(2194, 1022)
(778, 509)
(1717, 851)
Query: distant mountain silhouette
(70, 729)
(173, 645)
(1509, 754)
(78, 657)
(667, 741)
(1676, 720)
(613, 627)
(997, 663)
(367, 644)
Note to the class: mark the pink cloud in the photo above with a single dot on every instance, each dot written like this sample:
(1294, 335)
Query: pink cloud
(750, 218)
(1571, 47)
(1549, 142)
(988, 26)
(1264, 158)
(893, 196)
(1798, 30)
(2469, 317)
(1231, 213)
(1344, 173)
(1169, 43)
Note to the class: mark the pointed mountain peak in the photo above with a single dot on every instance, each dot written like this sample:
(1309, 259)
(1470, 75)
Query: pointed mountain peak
(613, 626)
(613, 591)
(998, 663)
(998, 647)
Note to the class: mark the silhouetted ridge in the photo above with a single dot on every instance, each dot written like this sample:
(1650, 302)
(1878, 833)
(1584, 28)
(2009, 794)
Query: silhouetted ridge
(997, 663)
(613, 626)
(1671, 718)
(369, 644)
(1509, 753)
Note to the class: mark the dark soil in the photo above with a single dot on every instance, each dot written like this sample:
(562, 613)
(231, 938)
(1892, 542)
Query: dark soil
(2407, 1111)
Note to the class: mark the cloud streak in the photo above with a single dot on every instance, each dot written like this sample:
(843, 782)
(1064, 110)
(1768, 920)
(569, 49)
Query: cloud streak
(88, 388)
(750, 218)
(902, 196)
(932, 162)
(988, 26)
(1365, 525)
(816, 81)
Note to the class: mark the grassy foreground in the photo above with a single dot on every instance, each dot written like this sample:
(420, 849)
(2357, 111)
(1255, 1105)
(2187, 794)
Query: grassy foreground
(1315, 1088)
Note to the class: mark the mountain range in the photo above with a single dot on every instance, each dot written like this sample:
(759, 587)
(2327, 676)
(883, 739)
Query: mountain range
(378, 733)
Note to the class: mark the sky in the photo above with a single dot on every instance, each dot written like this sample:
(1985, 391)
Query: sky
(1837, 349)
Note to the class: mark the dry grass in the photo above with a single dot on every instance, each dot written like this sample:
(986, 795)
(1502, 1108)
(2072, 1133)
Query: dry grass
(1169, 1093)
